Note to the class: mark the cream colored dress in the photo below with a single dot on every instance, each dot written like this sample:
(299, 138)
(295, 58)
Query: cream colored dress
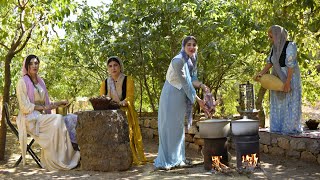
(48, 130)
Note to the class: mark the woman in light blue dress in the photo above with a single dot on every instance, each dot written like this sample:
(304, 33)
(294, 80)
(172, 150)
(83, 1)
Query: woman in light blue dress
(176, 100)
(285, 106)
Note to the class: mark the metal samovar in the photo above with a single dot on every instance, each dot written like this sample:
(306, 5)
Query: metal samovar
(246, 106)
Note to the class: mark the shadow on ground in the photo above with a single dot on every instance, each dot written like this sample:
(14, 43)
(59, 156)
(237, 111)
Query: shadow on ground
(272, 167)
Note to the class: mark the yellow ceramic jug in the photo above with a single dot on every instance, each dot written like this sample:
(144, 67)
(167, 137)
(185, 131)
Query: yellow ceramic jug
(271, 82)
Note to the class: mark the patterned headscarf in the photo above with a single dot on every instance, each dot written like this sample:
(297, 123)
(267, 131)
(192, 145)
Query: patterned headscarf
(192, 65)
(280, 37)
(192, 61)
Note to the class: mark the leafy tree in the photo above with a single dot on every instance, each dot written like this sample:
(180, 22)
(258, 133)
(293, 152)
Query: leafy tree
(147, 34)
(22, 20)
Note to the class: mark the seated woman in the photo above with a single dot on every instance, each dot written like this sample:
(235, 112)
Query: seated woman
(35, 118)
(121, 89)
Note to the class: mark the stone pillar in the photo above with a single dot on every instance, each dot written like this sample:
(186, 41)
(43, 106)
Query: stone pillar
(103, 138)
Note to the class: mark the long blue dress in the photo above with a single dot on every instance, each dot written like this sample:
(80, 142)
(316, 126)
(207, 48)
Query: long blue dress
(171, 116)
(285, 108)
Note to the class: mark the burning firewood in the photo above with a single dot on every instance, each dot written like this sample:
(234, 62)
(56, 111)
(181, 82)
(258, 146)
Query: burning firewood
(249, 163)
(218, 166)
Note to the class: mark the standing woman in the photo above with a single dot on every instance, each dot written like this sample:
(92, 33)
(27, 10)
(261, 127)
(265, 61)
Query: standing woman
(176, 100)
(120, 88)
(35, 118)
(285, 106)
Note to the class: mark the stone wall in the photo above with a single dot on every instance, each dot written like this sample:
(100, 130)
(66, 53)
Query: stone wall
(304, 148)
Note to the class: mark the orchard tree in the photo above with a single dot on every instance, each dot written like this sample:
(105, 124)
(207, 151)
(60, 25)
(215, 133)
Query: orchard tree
(21, 21)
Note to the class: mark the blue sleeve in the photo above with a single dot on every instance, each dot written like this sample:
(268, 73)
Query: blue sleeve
(194, 74)
(183, 74)
(291, 55)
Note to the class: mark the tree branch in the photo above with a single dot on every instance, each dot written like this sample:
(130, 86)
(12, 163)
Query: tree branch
(28, 36)
(27, 39)
(7, 48)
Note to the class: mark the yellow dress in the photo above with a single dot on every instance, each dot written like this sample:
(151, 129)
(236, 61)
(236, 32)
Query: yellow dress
(136, 143)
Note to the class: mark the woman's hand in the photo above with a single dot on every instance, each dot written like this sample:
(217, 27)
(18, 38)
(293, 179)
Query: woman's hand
(204, 87)
(287, 86)
(49, 107)
(257, 76)
(261, 73)
(123, 103)
(63, 102)
(201, 103)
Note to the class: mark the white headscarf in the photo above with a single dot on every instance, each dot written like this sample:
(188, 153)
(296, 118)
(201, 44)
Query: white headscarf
(279, 35)
(113, 92)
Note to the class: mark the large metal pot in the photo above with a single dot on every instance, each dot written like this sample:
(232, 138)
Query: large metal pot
(214, 128)
(244, 127)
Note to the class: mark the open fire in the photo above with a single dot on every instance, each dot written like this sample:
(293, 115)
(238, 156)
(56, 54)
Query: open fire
(249, 162)
(218, 166)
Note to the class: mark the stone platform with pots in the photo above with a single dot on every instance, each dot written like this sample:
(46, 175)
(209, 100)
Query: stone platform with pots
(305, 146)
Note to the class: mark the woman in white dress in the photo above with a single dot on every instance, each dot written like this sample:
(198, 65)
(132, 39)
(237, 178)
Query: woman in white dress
(35, 118)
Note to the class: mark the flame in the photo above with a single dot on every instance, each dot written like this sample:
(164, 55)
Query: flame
(217, 165)
(250, 161)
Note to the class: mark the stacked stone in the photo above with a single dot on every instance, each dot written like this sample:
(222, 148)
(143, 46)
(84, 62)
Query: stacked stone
(149, 128)
(192, 136)
(103, 138)
(306, 149)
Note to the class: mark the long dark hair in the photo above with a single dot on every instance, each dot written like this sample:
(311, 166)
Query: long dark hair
(26, 65)
(28, 59)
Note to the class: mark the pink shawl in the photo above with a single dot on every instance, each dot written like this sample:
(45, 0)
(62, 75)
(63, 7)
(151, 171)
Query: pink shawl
(30, 86)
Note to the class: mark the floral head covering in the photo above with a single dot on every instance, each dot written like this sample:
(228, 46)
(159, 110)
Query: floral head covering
(279, 35)
(192, 65)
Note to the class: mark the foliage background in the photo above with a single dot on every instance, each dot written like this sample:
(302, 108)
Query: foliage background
(147, 34)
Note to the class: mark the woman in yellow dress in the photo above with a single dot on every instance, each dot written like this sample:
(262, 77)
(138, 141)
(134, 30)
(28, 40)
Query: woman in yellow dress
(120, 88)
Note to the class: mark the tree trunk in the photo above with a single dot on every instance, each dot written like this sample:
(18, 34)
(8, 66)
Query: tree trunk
(6, 92)
(144, 76)
(149, 93)
(141, 96)
(262, 117)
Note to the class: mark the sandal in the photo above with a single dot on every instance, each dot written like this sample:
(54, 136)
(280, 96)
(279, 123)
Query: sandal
(185, 164)
(162, 168)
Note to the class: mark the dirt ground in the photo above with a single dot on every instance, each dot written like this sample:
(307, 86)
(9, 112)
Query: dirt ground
(271, 168)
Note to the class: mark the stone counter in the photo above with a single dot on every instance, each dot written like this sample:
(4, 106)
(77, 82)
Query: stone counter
(305, 147)
(103, 138)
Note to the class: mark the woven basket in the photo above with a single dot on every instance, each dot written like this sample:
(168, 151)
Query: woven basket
(271, 82)
(103, 103)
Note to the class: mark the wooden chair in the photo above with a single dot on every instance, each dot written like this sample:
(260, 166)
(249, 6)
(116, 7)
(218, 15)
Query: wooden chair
(13, 128)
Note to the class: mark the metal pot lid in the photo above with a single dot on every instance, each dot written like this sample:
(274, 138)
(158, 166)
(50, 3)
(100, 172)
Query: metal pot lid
(214, 121)
(244, 121)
